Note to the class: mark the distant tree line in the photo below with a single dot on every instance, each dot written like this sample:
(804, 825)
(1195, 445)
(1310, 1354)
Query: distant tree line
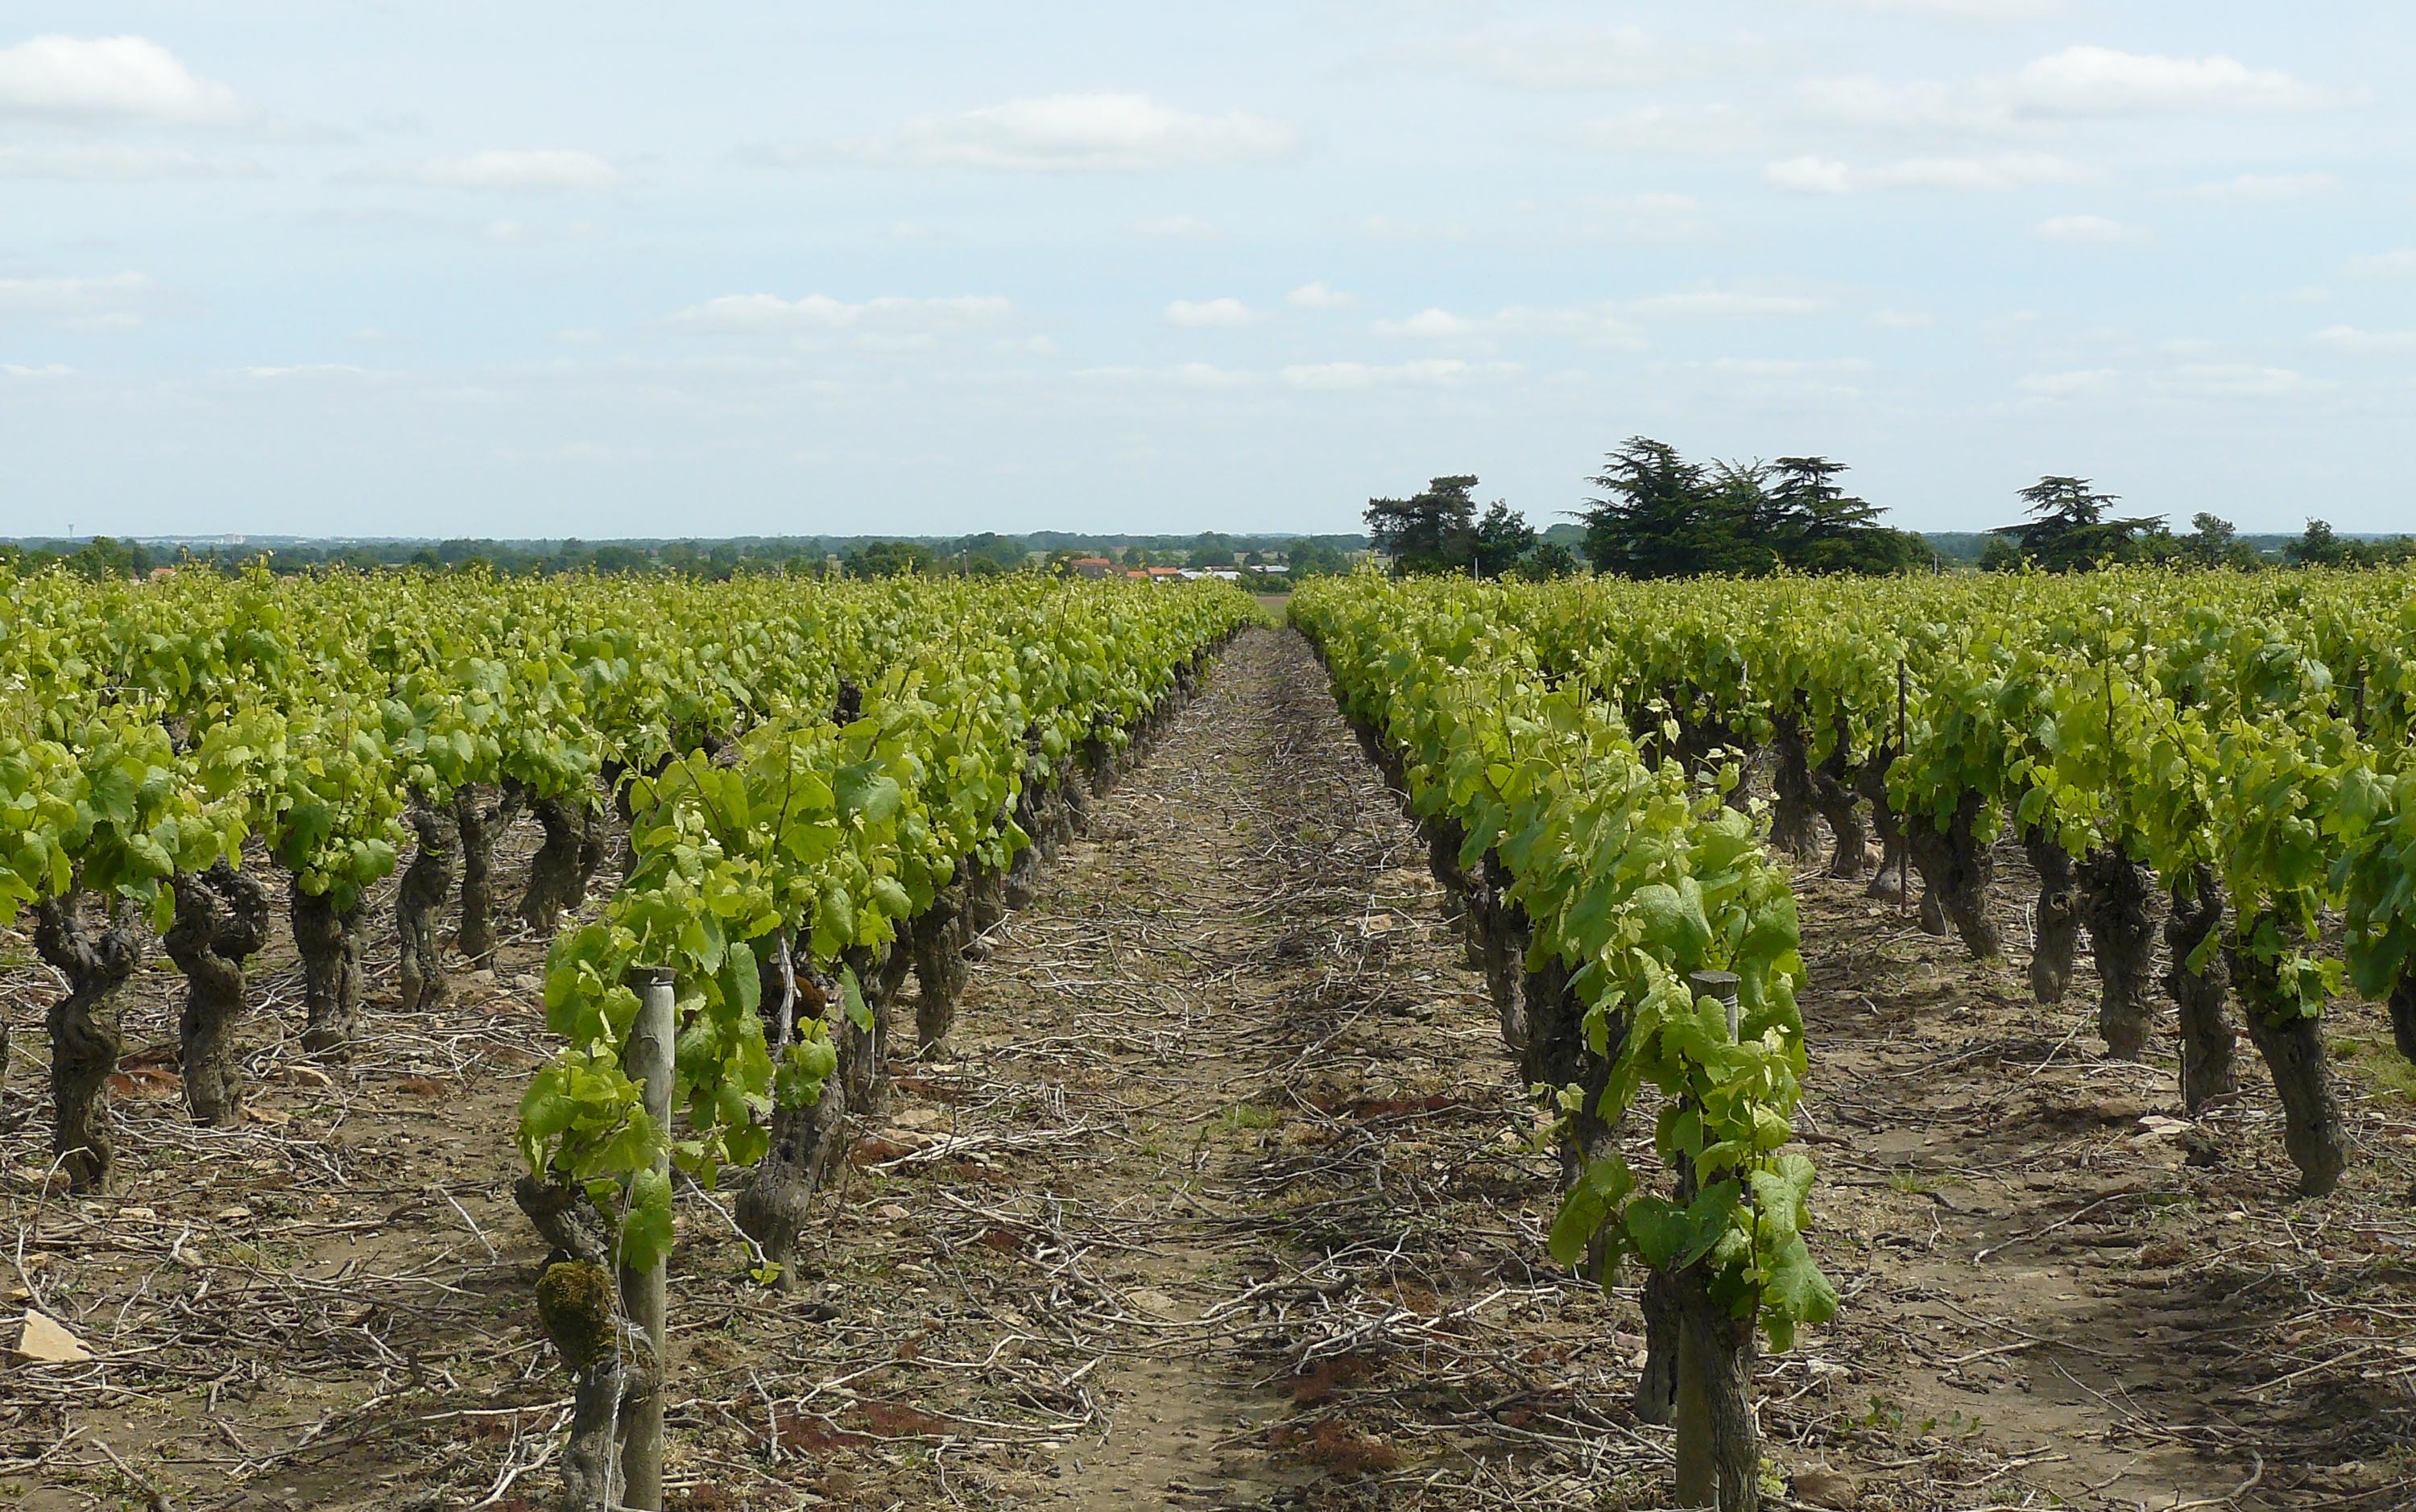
(1657, 515)
(978, 554)
(2070, 529)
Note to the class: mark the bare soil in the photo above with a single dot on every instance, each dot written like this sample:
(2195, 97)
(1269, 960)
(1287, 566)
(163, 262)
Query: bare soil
(1224, 1196)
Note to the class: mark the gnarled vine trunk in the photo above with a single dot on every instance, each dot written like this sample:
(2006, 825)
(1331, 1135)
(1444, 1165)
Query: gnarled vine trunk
(221, 921)
(329, 941)
(1498, 928)
(1955, 870)
(2118, 905)
(419, 899)
(1833, 796)
(1717, 1443)
(1558, 1054)
(2403, 1013)
(937, 940)
(478, 824)
(2293, 1048)
(2055, 920)
(611, 1361)
(1657, 1384)
(1792, 816)
(96, 959)
(1870, 780)
(558, 873)
(806, 1141)
(864, 1050)
(2209, 1041)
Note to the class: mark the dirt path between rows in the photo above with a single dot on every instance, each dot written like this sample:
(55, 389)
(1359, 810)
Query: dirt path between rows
(1223, 1196)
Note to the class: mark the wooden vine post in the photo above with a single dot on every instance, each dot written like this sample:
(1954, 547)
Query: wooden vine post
(646, 1059)
(1718, 1449)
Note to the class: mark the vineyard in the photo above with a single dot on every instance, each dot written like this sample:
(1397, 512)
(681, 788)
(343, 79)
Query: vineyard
(573, 1043)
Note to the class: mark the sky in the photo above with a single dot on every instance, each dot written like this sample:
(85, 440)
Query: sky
(533, 269)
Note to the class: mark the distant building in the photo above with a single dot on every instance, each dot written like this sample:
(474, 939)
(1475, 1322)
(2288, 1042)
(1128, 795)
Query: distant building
(1091, 566)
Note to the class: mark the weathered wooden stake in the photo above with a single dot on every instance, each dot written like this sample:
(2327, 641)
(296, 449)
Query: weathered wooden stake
(646, 1059)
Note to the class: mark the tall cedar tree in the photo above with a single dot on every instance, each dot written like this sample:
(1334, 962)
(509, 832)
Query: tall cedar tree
(1663, 517)
(2068, 529)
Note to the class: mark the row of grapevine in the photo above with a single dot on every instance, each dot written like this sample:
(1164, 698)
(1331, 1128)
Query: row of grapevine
(2229, 752)
(827, 786)
(2237, 746)
(155, 735)
(1651, 943)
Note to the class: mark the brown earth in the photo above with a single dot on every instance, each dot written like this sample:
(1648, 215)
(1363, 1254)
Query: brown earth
(1224, 1197)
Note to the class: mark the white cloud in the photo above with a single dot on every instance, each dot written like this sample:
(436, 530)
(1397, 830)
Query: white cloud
(820, 313)
(2260, 187)
(1964, 9)
(307, 369)
(2400, 263)
(1902, 319)
(2351, 339)
(1593, 57)
(1096, 133)
(1688, 130)
(110, 321)
(2001, 172)
(1785, 366)
(111, 163)
(1648, 218)
(2085, 383)
(542, 170)
(2086, 230)
(2079, 82)
(10, 369)
(1427, 372)
(1811, 176)
(2233, 380)
(1386, 229)
(91, 302)
(1177, 229)
(1599, 325)
(1319, 296)
(1212, 314)
(1922, 108)
(1182, 375)
(1721, 304)
(2104, 80)
(106, 78)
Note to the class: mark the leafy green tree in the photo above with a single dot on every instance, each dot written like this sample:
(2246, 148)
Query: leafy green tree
(2000, 555)
(1547, 561)
(2214, 542)
(887, 558)
(1434, 531)
(1311, 557)
(987, 553)
(2069, 529)
(1503, 536)
(2317, 547)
